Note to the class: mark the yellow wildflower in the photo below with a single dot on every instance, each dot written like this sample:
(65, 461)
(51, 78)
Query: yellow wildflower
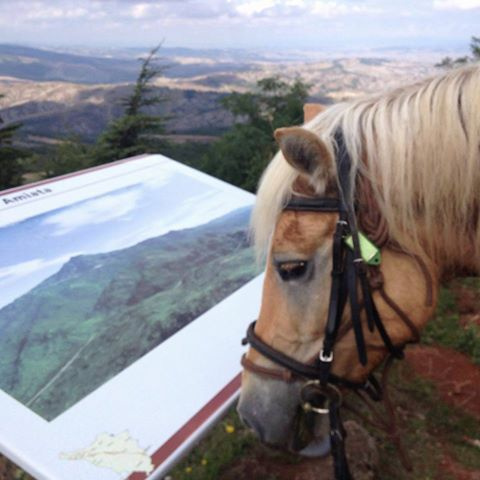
(229, 428)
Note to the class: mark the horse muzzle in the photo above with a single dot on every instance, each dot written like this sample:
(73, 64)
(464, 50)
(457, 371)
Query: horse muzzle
(273, 410)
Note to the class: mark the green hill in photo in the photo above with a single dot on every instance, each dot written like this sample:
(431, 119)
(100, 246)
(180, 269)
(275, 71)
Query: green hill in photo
(100, 313)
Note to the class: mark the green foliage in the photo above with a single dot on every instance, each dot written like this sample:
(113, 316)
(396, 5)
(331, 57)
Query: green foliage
(11, 168)
(449, 62)
(135, 132)
(10, 471)
(68, 156)
(242, 154)
(445, 328)
(227, 441)
(475, 48)
(189, 153)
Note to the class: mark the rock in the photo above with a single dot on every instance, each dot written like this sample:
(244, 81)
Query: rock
(362, 452)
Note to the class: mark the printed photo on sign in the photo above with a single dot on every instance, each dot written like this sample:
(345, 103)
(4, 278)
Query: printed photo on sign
(89, 288)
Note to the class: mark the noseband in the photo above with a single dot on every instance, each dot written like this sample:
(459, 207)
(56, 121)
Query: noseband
(349, 270)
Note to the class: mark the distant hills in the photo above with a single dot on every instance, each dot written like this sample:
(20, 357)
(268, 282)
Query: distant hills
(59, 93)
(100, 313)
(41, 65)
(46, 65)
(56, 110)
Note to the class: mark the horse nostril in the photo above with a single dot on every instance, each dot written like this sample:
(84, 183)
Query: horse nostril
(251, 422)
(246, 422)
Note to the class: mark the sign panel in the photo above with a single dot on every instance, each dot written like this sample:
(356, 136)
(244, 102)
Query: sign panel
(125, 291)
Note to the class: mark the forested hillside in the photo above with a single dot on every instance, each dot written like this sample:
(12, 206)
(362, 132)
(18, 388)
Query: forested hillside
(100, 313)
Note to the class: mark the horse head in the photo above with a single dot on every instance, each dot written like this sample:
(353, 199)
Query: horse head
(297, 299)
(397, 172)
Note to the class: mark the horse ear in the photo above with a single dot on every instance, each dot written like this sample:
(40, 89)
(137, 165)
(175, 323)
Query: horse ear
(303, 150)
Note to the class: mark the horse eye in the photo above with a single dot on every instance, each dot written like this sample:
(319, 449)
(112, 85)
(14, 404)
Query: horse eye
(292, 270)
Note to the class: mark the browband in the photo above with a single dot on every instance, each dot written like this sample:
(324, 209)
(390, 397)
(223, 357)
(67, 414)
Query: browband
(307, 204)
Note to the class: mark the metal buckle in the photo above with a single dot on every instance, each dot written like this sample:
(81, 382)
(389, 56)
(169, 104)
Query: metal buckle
(308, 407)
(325, 358)
(327, 392)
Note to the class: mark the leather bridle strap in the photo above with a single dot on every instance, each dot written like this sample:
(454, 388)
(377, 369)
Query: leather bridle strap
(337, 442)
(308, 204)
(298, 370)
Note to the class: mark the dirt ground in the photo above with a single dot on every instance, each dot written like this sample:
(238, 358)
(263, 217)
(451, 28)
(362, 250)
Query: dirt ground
(456, 377)
(457, 381)
(262, 465)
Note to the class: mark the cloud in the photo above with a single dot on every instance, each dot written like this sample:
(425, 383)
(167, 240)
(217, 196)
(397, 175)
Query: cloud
(237, 23)
(193, 211)
(256, 7)
(149, 11)
(456, 4)
(25, 269)
(99, 210)
(293, 8)
(21, 277)
(141, 10)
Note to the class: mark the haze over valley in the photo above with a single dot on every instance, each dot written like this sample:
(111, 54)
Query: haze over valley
(57, 93)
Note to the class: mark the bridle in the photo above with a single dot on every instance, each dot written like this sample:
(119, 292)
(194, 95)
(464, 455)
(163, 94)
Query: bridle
(321, 392)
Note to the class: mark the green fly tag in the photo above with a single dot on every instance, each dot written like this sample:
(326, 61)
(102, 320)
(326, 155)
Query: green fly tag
(370, 252)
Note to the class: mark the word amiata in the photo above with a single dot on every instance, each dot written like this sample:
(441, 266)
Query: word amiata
(21, 197)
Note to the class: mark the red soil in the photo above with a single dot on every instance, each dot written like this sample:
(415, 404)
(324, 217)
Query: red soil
(456, 470)
(458, 383)
(456, 377)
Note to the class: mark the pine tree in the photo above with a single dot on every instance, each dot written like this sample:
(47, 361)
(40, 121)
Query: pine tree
(475, 48)
(448, 62)
(136, 131)
(11, 169)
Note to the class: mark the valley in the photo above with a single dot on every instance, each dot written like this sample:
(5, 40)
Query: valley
(56, 95)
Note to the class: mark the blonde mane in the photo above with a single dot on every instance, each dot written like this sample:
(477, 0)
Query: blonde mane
(419, 147)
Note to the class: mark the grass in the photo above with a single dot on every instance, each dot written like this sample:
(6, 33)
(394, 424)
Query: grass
(9, 471)
(226, 442)
(429, 428)
(445, 328)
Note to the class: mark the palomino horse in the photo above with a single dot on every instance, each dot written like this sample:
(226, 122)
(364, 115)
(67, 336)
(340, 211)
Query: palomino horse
(401, 169)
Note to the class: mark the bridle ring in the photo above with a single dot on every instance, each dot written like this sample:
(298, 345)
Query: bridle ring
(330, 392)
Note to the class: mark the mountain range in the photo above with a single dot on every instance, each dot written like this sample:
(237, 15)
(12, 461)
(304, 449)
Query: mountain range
(100, 313)
(59, 93)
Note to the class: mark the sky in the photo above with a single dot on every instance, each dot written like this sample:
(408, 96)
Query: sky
(246, 24)
(36, 248)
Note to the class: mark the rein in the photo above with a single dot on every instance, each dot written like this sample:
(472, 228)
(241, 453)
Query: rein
(320, 393)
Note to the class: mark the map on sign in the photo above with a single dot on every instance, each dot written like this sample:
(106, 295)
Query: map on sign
(118, 452)
(108, 279)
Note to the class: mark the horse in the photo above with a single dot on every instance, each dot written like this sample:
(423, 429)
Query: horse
(397, 173)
